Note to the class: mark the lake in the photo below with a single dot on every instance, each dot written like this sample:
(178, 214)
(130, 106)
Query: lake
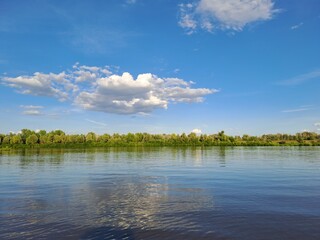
(161, 193)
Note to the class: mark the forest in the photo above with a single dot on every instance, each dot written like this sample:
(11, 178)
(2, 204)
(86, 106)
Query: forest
(58, 138)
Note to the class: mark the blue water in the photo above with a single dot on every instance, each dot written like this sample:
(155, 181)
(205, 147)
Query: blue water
(161, 193)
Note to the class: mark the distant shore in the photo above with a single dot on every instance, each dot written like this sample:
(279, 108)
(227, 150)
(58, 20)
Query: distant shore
(58, 139)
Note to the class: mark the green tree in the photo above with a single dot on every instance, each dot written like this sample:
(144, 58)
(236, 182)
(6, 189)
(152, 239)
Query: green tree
(104, 138)
(183, 138)
(193, 138)
(71, 139)
(25, 133)
(146, 137)
(91, 137)
(222, 137)
(16, 139)
(6, 140)
(245, 137)
(130, 137)
(32, 139)
(43, 139)
(57, 138)
(138, 137)
(1, 137)
(173, 139)
(81, 138)
(58, 132)
(41, 133)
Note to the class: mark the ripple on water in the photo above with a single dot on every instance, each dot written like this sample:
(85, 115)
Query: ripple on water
(212, 193)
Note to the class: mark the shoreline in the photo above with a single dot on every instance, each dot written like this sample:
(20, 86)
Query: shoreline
(59, 139)
(85, 145)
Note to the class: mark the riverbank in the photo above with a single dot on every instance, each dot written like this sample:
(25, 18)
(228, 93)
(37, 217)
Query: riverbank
(146, 144)
(58, 139)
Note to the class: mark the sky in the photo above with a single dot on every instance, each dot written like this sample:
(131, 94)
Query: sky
(160, 66)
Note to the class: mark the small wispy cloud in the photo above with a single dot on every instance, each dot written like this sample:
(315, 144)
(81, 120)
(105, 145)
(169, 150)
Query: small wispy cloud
(317, 124)
(296, 110)
(187, 20)
(131, 1)
(31, 106)
(301, 78)
(31, 110)
(307, 106)
(296, 26)
(97, 123)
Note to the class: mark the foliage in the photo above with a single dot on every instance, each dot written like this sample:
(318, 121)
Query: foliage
(32, 139)
(57, 138)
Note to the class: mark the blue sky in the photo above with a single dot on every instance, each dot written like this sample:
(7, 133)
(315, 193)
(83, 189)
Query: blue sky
(160, 66)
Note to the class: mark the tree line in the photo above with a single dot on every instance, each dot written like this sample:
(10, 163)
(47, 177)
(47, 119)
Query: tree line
(58, 138)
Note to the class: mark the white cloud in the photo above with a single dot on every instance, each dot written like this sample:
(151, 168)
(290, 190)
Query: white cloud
(87, 73)
(296, 26)
(187, 18)
(97, 89)
(317, 124)
(40, 84)
(123, 94)
(196, 131)
(31, 110)
(231, 15)
(31, 106)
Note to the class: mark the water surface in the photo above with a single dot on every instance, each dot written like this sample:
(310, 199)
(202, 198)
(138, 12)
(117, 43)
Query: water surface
(161, 193)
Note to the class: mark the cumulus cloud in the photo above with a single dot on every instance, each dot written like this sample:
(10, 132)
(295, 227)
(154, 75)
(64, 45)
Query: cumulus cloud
(196, 131)
(40, 84)
(31, 110)
(231, 15)
(123, 94)
(98, 89)
(317, 124)
(89, 73)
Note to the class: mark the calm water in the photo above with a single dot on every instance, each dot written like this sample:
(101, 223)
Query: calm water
(161, 193)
